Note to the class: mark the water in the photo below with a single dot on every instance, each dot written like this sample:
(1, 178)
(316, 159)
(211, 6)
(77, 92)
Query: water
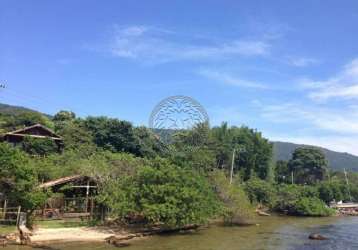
(273, 233)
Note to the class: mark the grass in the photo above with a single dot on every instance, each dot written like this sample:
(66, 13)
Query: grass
(5, 229)
(61, 223)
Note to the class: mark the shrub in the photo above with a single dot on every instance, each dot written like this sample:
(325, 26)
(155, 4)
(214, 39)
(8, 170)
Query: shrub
(330, 191)
(39, 146)
(18, 182)
(288, 195)
(260, 191)
(161, 193)
(301, 200)
(312, 206)
(236, 207)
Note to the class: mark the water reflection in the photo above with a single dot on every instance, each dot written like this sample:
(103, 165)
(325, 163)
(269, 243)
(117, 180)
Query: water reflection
(278, 232)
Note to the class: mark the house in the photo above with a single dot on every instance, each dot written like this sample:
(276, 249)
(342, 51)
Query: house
(73, 196)
(35, 131)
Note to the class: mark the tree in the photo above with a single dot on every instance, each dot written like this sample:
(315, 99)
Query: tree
(308, 165)
(330, 191)
(260, 191)
(25, 119)
(312, 206)
(198, 136)
(255, 158)
(193, 149)
(148, 143)
(161, 194)
(282, 173)
(18, 182)
(39, 146)
(112, 134)
(76, 136)
(235, 205)
(63, 116)
(201, 159)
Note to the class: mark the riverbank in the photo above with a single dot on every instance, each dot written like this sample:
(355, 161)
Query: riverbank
(75, 234)
(273, 233)
(119, 236)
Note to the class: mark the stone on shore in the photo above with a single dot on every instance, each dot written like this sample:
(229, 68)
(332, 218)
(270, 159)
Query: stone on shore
(317, 237)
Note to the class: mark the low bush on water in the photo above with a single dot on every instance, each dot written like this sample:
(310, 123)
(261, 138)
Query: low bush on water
(312, 206)
(235, 205)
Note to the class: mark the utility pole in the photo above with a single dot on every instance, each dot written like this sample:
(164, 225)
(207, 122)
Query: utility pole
(292, 177)
(349, 192)
(232, 165)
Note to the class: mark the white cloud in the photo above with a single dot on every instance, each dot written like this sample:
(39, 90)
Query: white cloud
(302, 61)
(154, 44)
(327, 128)
(131, 30)
(333, 120)
(343, 85)
(229, 79)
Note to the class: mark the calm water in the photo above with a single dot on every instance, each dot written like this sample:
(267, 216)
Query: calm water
(272, 233)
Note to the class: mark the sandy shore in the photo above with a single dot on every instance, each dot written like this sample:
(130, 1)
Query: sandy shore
(76, 234)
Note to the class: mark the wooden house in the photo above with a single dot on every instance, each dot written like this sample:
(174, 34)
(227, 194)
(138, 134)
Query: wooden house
(73, 196)
(35, 131)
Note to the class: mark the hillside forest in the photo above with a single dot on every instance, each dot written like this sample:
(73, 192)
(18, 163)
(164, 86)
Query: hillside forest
(184, 181)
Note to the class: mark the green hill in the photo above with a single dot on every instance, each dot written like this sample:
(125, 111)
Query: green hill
(6, 109)
(15, 117)
(336, 160)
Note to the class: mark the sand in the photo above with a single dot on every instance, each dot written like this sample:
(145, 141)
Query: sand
(76, 234)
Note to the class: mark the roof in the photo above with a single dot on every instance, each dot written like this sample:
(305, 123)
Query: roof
(61, 181)
(22, 132)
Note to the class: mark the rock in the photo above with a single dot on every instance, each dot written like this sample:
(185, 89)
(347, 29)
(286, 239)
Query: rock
(262, 213)
(11, 237)
(317, 237)
(119, 241)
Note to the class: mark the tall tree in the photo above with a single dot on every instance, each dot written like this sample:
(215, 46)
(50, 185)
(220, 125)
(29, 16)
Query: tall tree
(112, 134)
(308, 165)
(18, 180)
(282, 173)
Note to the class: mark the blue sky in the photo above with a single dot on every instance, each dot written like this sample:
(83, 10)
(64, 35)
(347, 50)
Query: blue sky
(287, 68)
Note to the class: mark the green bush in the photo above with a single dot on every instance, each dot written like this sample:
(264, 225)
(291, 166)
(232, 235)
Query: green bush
(288, 195)
(301, 200)
(161, 193)
(39, 146)
(312, 206)
(236, 207)
(329, 191)
(18, 180)
(260, 191)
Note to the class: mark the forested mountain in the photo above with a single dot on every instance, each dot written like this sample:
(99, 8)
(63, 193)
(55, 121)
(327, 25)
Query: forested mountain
(13, 110)
(336, 160)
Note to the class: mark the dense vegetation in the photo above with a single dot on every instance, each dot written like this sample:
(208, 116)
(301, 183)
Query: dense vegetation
(184, 181)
